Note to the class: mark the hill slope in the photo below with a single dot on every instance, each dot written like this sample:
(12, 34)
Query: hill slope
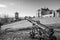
(17, 25)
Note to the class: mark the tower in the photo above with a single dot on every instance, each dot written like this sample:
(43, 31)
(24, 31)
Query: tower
(16, 15)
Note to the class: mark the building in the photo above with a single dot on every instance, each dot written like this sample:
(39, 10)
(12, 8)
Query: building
(45, 12)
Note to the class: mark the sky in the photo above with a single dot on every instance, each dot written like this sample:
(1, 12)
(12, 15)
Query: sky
(26, 7)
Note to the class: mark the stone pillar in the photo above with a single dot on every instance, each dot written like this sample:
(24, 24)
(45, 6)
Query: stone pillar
(56, 14)
(53, 13)
(39, 13)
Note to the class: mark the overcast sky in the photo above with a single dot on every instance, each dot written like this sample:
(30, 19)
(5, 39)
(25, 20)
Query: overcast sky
(26, 7)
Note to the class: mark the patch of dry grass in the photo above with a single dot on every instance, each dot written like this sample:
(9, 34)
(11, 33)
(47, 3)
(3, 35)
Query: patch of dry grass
(20, 35)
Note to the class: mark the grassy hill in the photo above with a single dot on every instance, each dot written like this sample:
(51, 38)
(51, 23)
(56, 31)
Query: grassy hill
(48, 21)
(17, 25)
(53, 21)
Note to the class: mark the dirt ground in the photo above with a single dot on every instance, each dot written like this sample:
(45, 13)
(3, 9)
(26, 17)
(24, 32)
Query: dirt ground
(22, 35)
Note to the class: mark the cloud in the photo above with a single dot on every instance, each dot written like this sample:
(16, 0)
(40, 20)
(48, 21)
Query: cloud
(2, 6)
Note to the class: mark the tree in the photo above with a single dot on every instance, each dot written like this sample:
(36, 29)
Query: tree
(25, 17)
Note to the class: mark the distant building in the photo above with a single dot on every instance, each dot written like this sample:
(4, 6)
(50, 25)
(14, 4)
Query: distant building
(45, 12)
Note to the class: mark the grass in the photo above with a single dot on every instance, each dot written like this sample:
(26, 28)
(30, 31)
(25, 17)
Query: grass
(22, 35)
